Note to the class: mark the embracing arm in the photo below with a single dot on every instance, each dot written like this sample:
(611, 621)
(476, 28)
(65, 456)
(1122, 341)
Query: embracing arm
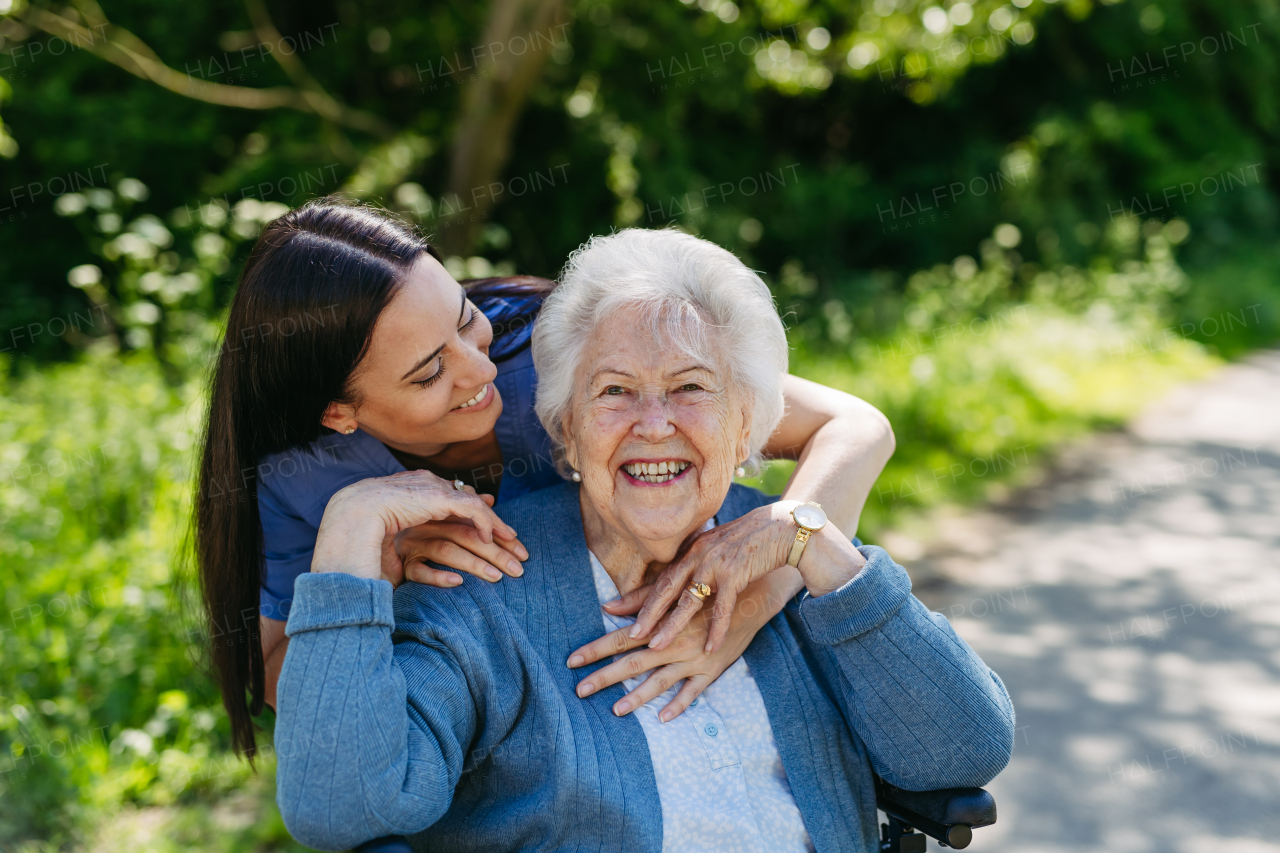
(348, 769)
(931, 713)
(841, 443)
(274, 646)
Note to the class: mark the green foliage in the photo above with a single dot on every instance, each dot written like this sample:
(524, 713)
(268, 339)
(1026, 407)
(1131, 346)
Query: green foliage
(89, 508)
(979, 386)
(106, 702)
(158, 292)
(657, 113)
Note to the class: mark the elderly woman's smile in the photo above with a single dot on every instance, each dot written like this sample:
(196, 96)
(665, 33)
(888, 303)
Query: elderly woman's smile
(655, 472)
(654, 431)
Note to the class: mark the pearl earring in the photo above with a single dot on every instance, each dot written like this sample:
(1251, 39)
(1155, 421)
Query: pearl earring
(739, 471)
(576, 477)
(349, 430)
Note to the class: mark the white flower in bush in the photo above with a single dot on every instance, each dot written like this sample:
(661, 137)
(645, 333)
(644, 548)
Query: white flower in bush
(85, 275)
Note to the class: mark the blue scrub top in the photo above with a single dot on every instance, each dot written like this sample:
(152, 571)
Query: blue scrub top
(294, 486)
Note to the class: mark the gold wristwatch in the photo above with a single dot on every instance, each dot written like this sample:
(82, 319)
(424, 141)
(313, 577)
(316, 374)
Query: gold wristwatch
(809, 518)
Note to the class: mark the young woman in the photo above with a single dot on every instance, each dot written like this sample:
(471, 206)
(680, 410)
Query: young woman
(351, 353)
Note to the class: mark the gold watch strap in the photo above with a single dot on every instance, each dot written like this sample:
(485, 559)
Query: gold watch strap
(797, 547)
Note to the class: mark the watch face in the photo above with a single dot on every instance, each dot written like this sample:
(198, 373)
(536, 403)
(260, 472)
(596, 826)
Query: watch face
(809, 516)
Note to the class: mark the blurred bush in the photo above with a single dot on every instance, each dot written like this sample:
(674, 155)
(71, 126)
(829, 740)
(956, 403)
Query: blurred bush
(864, 139)
(105, 699)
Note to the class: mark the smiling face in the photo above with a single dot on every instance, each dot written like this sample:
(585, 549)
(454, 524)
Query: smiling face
(656, 435)
(426, 380)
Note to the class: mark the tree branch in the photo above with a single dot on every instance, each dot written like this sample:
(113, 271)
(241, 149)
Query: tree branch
(492, 103)
(125, 50)
(321, 101)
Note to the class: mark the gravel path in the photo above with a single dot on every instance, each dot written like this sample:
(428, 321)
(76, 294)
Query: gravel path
(1132, 607)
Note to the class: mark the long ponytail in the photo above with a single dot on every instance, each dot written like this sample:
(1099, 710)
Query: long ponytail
(300, 322)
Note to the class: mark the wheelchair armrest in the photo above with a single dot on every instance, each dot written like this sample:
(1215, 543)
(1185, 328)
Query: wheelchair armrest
(946, 814)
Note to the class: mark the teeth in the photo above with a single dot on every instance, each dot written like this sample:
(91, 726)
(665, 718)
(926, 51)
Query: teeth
(655, 472)
(477, 398)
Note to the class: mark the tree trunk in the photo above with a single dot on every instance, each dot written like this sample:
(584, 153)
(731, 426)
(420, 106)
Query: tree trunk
(491, 106)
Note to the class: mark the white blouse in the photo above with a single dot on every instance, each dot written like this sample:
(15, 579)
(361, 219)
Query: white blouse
(720, 777)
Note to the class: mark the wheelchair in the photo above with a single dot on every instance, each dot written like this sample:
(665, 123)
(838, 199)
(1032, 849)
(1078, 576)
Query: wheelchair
(948, 815)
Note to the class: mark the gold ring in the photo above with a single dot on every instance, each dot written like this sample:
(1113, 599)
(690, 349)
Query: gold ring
(699, 591)
(459, 485)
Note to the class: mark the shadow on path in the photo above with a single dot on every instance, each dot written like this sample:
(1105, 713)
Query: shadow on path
(1133, 611)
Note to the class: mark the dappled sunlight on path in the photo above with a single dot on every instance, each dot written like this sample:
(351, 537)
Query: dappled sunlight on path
(1132, 607)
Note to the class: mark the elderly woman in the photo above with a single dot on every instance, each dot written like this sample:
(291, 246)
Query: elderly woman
(661, 358)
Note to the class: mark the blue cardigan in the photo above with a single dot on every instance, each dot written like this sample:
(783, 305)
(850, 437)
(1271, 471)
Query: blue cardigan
(464, 730)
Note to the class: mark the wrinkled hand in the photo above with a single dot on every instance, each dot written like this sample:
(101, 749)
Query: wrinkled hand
(684, 658)
(362, 522)
(726, 558)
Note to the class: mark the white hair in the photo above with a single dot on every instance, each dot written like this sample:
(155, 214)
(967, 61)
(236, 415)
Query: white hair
(694, 294)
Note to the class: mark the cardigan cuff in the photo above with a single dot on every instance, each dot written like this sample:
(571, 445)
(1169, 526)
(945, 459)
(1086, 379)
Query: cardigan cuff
(338, 600)
(865, 602)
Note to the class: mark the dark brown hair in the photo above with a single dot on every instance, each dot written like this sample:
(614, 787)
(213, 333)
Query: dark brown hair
(300, 322)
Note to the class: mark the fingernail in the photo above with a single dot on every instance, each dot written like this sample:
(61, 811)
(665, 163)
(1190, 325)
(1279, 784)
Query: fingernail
(621, 708)
(585, 689)
(522, 552)
(635, 631)
(665, 716)
(656, 641)
(493, 574)
(576, 660)
(455, 579)
(515, 568)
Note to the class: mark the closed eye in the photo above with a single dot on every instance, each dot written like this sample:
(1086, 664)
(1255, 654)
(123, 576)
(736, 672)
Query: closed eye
(471, 321)
(431, 380)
